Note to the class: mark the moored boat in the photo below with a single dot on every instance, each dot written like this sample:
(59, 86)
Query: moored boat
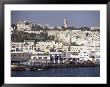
(16, 67)
(38, 67)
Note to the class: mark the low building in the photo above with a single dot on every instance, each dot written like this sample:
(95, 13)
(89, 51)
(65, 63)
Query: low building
(20, 57)
(16, 46)
(84, 56)
(28, 46)
(75, 49)
(40, 58)
(56, 57)
(65, 48)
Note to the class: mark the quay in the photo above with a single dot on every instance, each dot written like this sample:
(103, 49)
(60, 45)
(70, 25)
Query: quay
(16, 67)
(49, 66)
(72, 65)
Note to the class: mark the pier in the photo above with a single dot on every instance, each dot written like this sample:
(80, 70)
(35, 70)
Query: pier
(49, 66)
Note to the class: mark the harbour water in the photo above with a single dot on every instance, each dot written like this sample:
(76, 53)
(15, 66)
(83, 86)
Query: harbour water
(60, 72)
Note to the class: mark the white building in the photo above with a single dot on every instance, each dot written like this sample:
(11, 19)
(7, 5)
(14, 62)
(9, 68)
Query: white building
(23, 25)
(65, 23)
(75, 49)
(44, 58)
(94, 28)
(58, 45)
(27, 46)
(44, 45)
(84, 56)
(17, 46)
(65, 48)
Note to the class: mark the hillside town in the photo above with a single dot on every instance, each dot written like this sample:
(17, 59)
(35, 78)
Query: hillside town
(33, 44)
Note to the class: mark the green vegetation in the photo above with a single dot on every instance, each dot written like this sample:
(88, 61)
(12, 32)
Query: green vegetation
(20, 36)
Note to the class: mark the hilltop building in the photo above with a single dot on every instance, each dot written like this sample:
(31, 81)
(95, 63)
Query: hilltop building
(23, 26)
(65, 23)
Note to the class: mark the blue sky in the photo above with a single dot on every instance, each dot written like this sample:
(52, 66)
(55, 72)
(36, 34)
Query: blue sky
(75, 18)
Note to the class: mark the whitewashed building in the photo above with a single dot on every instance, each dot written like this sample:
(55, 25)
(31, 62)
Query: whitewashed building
(23, 25)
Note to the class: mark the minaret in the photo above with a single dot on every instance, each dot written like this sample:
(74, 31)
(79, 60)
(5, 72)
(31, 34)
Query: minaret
(65, 23)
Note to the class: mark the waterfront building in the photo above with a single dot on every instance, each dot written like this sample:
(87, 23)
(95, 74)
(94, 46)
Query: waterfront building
(20, 57)
(55, 57)
(40, 58)
(84, 56)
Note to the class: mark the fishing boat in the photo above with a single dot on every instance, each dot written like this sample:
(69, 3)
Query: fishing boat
(38, 67)
(16, 67)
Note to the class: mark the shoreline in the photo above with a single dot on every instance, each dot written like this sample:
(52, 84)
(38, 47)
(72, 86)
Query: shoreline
(49, 66)
(72, 65)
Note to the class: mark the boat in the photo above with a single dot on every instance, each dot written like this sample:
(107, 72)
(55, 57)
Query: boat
(38, 67)
(16, 67)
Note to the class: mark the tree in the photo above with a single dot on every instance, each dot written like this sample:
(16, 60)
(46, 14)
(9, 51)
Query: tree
(14, 26)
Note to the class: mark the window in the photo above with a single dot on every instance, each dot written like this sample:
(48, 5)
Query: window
(17, 49)
(40, 57)
(45, 57)
(13, 46)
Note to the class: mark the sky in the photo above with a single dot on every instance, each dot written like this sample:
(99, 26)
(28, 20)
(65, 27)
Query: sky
(56, 18)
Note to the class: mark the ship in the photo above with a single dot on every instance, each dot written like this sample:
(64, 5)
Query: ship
(17, 67)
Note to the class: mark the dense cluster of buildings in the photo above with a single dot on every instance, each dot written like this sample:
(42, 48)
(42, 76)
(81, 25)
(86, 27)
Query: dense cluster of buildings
(68, 46)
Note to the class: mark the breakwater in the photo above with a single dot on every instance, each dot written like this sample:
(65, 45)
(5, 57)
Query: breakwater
(60, 72)
(71, 65)
(22, 68)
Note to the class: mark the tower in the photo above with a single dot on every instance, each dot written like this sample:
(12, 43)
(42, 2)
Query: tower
(65, 23)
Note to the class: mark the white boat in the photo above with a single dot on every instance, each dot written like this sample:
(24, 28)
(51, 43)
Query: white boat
(40, 69)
